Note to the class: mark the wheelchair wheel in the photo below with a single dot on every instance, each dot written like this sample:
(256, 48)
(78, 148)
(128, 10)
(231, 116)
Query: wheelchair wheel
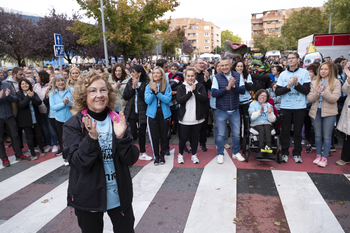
(279, 156)
(246, 156)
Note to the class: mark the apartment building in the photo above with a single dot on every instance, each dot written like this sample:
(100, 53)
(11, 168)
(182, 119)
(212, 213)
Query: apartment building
(204, 36)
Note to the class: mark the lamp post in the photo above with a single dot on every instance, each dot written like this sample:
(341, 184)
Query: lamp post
(104, 34)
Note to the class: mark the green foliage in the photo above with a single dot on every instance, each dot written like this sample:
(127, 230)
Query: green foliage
(340, 11)
(228, 35)
(303, 23)
(268, 42)
(128, 23)
(171, 40)
(218, 50)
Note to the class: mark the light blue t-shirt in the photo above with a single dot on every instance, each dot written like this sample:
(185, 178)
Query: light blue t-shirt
(254, 107)
(293, 99)
(246, 96)
(31, 110)
(105, 139)
(320, 99)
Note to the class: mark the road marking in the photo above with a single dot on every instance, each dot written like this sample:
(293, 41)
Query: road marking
(12, 160)
(304, 206)
(38, 214)
(19, 181)
(347, 176)
(214, 205)
(146, 184)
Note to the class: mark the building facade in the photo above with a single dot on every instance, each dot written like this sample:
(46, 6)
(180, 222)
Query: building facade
(204, 36)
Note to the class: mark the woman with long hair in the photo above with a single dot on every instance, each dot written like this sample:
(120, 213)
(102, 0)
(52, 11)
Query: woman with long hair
(73, 76)
(135, 108)
(60, 99)
(191, 96)
(28, 116)
(121, 78)
(41, 88)
(324, 94)
(157, 98)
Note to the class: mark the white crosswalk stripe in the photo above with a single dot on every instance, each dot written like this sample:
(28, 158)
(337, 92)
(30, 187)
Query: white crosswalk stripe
(305, 208)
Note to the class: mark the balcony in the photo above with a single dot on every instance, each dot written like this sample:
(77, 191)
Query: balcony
(273, 17)
(260, 20)
(257, 28)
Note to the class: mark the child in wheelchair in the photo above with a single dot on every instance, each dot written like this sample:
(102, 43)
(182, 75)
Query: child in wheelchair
(262, 116)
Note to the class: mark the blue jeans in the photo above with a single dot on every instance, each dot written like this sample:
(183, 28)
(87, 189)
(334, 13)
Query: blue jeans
(235, 124)
(323, 127)
(49, 133)
(215, 127)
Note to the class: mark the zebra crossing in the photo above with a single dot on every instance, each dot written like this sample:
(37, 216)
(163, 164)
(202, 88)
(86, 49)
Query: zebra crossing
(204, 197)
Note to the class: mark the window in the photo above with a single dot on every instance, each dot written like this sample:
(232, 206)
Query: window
(206, 34)
(193, 27)
(207, 41)
(207, 48)
(268, 22)
(280, 21)
(184, 27)
(206, 27)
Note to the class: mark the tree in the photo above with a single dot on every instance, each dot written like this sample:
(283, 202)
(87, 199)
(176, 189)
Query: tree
(171, 40)
(339, 10)
(14, 33)
(218, 50)
(43, 38)
(187, 47)
(303, 23)
(228, 35)
(128, 23)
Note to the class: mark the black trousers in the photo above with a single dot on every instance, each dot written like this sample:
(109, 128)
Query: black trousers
(193, 131)
(345, 153)
(264, 135)
(204, 127)
(36, 131)
(59, 126)
(142, 133)
(158, 128)
(92, 222)
(309, 136)
(297, 116)
(243, 110)
(53, 124)
(13, 131)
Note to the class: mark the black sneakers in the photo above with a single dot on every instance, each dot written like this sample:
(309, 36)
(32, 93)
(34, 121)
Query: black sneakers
(203, 147)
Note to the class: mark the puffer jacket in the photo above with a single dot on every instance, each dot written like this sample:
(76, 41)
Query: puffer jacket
(344, 121)
(329, 100)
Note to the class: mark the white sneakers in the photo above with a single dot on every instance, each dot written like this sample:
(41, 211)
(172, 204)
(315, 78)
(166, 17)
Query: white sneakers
(227, 146)
(284, 158)
(194, 159)
(54, 149)
(220, 159)
(180, 159)
(238, 156)
(144, 156)
(47, 149)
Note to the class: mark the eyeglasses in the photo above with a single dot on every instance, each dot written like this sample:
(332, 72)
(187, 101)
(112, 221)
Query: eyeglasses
(93, 91)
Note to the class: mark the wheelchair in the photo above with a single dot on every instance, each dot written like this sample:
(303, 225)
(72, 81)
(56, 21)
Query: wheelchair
(251, 142)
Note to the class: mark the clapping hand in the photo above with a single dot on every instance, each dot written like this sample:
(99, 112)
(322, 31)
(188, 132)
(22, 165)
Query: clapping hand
(290, 82)
(91, 127)
(30, 93)
(117, 85)
(269, 109)
(262, 108)
(295, 80)
(193, 87)
(119, 127)
(7, 92)
(206, 75)
(134, 83)
(47, 93)
(1, 93)
(153, 87)
(320, 88)
(65, 101)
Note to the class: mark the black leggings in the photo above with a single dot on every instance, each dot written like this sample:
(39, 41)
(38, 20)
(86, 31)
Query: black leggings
(158, 128)
(30, 131)
(92, 222)
(264, 135)
(53, 124)
(142, 133)
(345, 153)
(186, 130)
(59, 126)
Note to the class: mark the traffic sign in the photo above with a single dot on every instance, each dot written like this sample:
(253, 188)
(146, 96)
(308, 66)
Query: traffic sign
(58, 40)
(59, 50)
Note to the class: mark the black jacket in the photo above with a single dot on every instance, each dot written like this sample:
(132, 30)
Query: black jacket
(201, 98)
(129, 95)
(24, 116)
(87, 181)
(200, 79)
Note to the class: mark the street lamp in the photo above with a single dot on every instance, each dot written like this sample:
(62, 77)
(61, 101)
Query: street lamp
(199, 50)
(104, 34)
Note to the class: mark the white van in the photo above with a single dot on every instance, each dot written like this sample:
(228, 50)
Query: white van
(272, 54)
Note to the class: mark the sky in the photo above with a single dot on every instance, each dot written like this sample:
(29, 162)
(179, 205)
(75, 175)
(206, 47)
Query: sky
(227, 14)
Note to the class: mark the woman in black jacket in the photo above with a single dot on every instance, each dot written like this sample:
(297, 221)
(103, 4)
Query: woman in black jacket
(191, 96)
(28, 116)
(99, 147)
(135, 109)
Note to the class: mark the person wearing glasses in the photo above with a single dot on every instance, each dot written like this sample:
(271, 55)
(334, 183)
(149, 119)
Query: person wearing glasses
(99, 146)
(293, 86)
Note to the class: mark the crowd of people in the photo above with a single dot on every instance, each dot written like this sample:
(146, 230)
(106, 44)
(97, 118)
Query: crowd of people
(91, 115)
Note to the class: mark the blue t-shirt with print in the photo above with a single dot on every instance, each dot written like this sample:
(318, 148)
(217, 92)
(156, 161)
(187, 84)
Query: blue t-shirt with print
(105, 139)
(293, 99)
(255, 107)
(246, 96)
